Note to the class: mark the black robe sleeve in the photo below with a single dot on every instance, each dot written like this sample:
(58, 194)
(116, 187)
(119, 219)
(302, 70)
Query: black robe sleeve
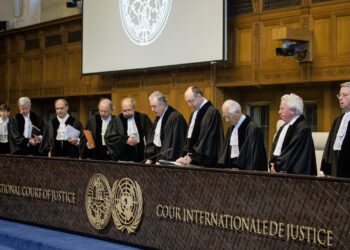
(208, 144)
(298, 156)
(328, 158)
(173, 132)
(113, 140)
(252, 154)
(16, 139)
(18, 143)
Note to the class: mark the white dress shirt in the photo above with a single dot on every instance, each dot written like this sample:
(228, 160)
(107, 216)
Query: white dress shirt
(341, 131)
(3, 130)
(282, 136)
(193, 120)
(156, 139)
(132, 129)
(105, 123)
(27, 133)
(234, 138)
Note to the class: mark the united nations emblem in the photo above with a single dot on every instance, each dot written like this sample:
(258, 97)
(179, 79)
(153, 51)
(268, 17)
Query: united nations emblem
(128, 205)
(98, 201)
(143, 21)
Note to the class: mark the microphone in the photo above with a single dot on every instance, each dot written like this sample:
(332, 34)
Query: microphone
(162, 152)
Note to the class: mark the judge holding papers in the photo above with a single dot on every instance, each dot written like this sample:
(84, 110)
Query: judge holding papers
(103, 129)
(25, 130)
(244, 146)
(62, 134)
(205, 135)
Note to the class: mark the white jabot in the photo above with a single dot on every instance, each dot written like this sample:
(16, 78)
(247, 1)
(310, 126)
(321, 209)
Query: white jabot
(193, 120)
(28, 127)
(234, 138)
(105, 123)
(3, 130)
(156, 139)
(280, 141)
(61, 131)
(132, 129)
(341, 131)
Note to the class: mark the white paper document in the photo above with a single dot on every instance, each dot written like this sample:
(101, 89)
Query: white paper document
(72, 132)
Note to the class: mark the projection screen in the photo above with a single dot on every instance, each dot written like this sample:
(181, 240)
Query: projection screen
(120, 35)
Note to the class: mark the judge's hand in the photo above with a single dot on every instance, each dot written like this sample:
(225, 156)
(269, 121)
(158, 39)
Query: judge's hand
(49, 154)
(90, 146)
(184, 160)
(73, 140)
(132, 141)
(148, 162)
(37, 139)
(32, 141)
(272, 168)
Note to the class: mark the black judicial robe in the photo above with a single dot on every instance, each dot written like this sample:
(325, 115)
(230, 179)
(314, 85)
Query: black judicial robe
(298, 151)
(144, 127)
(337, 163)
(94, 124)
(18, 143)
(252, 153)
(59, 148)
(207, 137)
(172, 136)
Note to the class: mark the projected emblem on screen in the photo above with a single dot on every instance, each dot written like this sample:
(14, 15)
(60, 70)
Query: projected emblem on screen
(144, 20)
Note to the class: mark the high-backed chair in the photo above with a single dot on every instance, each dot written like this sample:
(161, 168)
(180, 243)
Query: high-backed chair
(320, 139)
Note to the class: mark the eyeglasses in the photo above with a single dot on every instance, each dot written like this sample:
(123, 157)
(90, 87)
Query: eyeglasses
(342, 95)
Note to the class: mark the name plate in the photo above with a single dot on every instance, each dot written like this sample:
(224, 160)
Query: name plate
(171, 207)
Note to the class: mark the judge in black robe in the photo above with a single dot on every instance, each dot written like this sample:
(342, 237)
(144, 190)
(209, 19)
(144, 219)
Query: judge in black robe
(251, 154)
(19, 143)
(172, 131)
(203, 145)
(134, 138)
(297, 154)
(63, 147)
(336, 162)
(109, 151)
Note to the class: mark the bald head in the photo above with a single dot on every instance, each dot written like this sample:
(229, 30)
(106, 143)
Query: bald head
(128, 107)
(194, 97)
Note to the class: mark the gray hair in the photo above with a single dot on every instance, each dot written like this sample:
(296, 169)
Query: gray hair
(345, 84)
(233, 106)
(294, 102)
(24, 100)
(159, 96)
(110, 104)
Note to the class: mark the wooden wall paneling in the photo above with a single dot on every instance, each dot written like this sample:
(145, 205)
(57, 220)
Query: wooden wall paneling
(243, 48)
(53, 72)
(322, 37)
(343, 36)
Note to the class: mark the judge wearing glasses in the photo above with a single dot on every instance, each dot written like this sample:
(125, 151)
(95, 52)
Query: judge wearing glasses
(336, 155)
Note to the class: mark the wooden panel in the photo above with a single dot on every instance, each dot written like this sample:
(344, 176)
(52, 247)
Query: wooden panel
(53, 69)
(322, 35)
(73, 65)
(343, 36)
(268, 45)
(243, 51)
(31, 72)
